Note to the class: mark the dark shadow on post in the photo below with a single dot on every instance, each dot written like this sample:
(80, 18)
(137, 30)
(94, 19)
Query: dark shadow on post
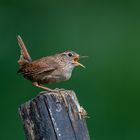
(54, 116)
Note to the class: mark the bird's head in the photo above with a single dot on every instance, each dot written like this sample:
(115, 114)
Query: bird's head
(71, 58)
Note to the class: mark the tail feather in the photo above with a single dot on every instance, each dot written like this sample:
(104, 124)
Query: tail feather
(24, 57)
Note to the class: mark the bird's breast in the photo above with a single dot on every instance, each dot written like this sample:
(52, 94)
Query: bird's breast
(67, 75)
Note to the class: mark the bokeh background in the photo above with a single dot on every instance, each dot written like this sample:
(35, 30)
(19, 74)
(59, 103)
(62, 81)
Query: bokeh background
(107, 31)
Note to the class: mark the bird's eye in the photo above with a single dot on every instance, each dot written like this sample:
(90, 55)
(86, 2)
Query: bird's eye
(70, 54)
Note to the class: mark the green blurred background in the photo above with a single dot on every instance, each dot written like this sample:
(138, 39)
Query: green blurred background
(105, 30)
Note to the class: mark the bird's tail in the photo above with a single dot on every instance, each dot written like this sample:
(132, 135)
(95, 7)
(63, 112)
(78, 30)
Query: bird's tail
(24, 56)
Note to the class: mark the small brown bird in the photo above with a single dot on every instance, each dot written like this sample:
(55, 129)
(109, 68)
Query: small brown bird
(50, 69)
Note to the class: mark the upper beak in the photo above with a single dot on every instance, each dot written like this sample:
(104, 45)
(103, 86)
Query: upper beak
(75, 61)
(83, 56)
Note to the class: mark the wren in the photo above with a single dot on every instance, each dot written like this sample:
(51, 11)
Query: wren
(47, 70)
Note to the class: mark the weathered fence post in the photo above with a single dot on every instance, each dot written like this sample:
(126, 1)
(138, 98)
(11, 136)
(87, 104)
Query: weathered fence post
(54, 116)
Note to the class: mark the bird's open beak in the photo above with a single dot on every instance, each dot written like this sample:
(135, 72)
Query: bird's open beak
(75, 61)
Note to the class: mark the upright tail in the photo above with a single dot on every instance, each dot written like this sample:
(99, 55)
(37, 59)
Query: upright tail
(24, 56)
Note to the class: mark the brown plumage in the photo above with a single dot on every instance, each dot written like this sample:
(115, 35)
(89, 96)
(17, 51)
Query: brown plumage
(51, 69)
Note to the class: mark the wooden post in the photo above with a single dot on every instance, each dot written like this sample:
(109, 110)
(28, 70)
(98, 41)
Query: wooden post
(54, 116)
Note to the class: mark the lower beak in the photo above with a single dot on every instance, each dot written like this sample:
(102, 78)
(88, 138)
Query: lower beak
(78, 64)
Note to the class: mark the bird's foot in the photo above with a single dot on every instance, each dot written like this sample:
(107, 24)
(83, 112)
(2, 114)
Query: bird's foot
(56, 90)
(59, 89)
(63, 95)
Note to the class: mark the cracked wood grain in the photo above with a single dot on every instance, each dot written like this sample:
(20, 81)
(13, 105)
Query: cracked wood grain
(54, 116)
